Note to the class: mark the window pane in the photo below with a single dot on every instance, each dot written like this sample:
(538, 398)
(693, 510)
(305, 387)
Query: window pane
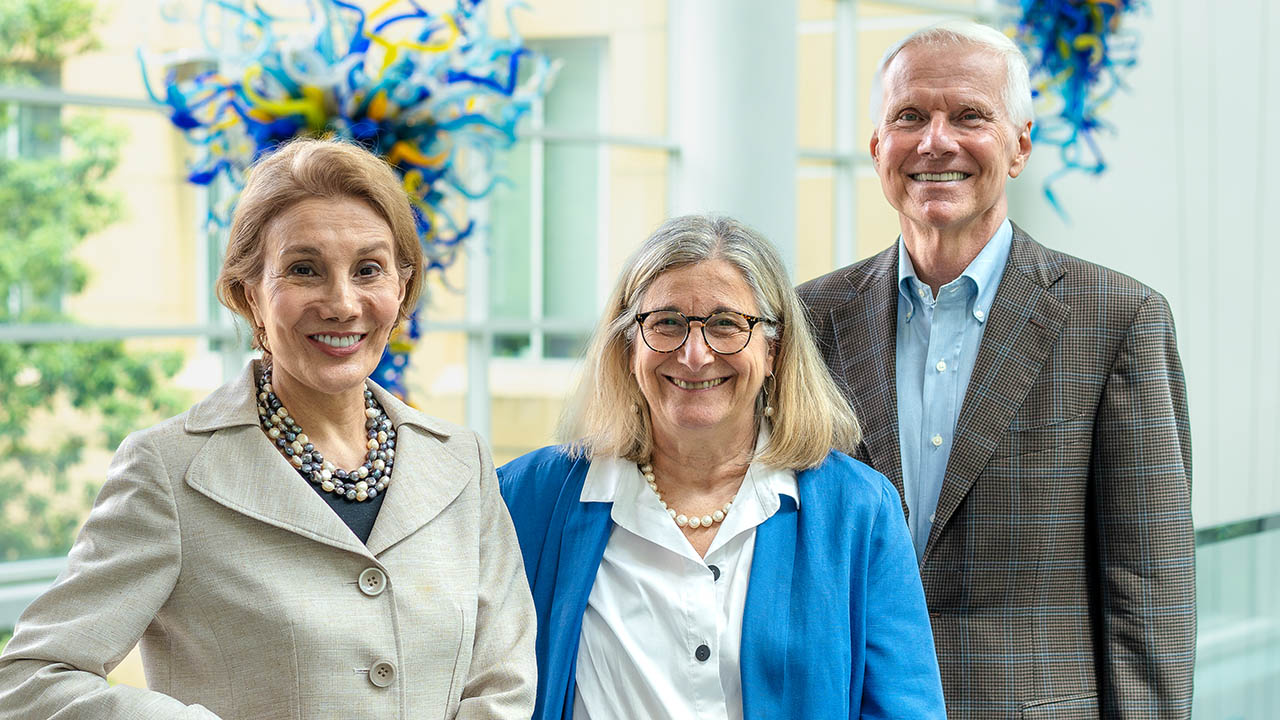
(510, 220)
(1238, 648)
(544, 221)
(635, 67)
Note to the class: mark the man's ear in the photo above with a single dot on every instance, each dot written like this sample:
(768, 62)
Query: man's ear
(874, 146)
(1023, 153)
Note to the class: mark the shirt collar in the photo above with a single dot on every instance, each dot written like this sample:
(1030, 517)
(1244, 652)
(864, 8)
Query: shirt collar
(604, 477)
(984, 270)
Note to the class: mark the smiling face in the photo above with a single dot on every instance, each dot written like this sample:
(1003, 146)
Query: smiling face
(946, 145)
(328, 296)
(694, 388)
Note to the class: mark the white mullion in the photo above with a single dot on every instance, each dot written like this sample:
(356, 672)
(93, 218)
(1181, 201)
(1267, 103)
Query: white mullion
(602, 279)
(537, 229)
(675, 164)
(478, 328)
(204, 272)
(574, 137)
(11, 132)
(982, 11)
(844, 251)
(57, 97)
(474, 324)
(66, 332)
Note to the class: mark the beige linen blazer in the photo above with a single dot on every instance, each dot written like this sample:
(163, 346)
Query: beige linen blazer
(253, 600)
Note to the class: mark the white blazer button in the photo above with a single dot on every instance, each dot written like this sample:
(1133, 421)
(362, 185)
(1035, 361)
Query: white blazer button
(372, 582)
(382, 674)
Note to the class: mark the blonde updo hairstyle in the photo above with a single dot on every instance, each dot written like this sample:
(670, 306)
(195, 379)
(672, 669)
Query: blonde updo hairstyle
(311, 168)
(607, 415)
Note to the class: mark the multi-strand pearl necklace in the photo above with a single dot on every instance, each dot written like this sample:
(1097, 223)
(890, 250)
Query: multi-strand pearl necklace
(363, 483)
(681, 519)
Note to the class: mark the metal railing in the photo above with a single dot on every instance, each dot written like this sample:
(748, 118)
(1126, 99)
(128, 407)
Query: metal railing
(24, 580)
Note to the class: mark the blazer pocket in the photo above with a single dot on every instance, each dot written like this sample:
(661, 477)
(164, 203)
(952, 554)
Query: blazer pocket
(1025, 440)
(270, 666)
(1082, 706)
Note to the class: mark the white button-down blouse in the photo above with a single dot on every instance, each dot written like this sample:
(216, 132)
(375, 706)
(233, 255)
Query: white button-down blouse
(663, 627)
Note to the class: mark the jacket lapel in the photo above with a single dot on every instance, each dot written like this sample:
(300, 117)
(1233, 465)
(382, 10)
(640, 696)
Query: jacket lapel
(240, 469)
(428, 475)
(767, 614)
(586, 533)
(1024, 324)
(865, 330)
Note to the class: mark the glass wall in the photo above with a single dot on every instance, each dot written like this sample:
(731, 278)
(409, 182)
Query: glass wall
(1238, 643)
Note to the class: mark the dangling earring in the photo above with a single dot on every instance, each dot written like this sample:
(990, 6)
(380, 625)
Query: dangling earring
(767, 388)
(260, 335)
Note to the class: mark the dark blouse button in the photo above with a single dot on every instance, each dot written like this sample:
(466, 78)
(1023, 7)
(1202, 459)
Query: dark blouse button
(702, 653)
(715, 572)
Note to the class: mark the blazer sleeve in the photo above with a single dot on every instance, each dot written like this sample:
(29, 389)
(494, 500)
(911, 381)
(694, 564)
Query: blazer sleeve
(120, 572)
(900, 675)
(503, 678)
(1141, 485)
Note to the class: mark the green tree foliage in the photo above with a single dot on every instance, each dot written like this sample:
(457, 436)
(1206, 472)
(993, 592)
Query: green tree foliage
(46, 30)
(49, 203)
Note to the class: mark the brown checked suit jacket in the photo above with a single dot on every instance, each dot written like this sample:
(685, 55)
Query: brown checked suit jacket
(1060, 569)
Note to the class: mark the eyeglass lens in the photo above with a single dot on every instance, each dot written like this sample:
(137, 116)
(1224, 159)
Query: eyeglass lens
(725, 332)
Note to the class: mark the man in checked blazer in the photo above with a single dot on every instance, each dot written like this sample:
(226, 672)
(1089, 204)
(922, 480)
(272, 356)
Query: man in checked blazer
(1029, 406)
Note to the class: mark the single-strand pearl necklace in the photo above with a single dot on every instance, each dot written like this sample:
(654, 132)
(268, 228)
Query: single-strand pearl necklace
(681, 519)
(363, 483)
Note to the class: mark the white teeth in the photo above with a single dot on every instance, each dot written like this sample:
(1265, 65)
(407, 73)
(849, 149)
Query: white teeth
(697, 385)
(338, 342)
(939, 177)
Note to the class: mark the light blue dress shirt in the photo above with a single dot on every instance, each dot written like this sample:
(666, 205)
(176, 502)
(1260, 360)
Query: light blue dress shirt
(937, 346)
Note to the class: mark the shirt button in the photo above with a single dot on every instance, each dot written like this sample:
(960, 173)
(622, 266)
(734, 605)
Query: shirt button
(936, 440)
(715, 572)
(977, 314)
(372, 582)
(702, 653)
(920, 291)
(382, 674)
(933, 518)
(942, 365)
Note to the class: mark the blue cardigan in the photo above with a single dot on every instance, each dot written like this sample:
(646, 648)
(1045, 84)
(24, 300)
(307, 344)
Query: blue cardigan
(835, 624)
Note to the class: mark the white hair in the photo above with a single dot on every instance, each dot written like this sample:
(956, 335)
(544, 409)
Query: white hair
(1017, 84)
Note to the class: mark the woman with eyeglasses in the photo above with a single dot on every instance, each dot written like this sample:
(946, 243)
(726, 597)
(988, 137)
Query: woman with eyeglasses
(702, 547)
